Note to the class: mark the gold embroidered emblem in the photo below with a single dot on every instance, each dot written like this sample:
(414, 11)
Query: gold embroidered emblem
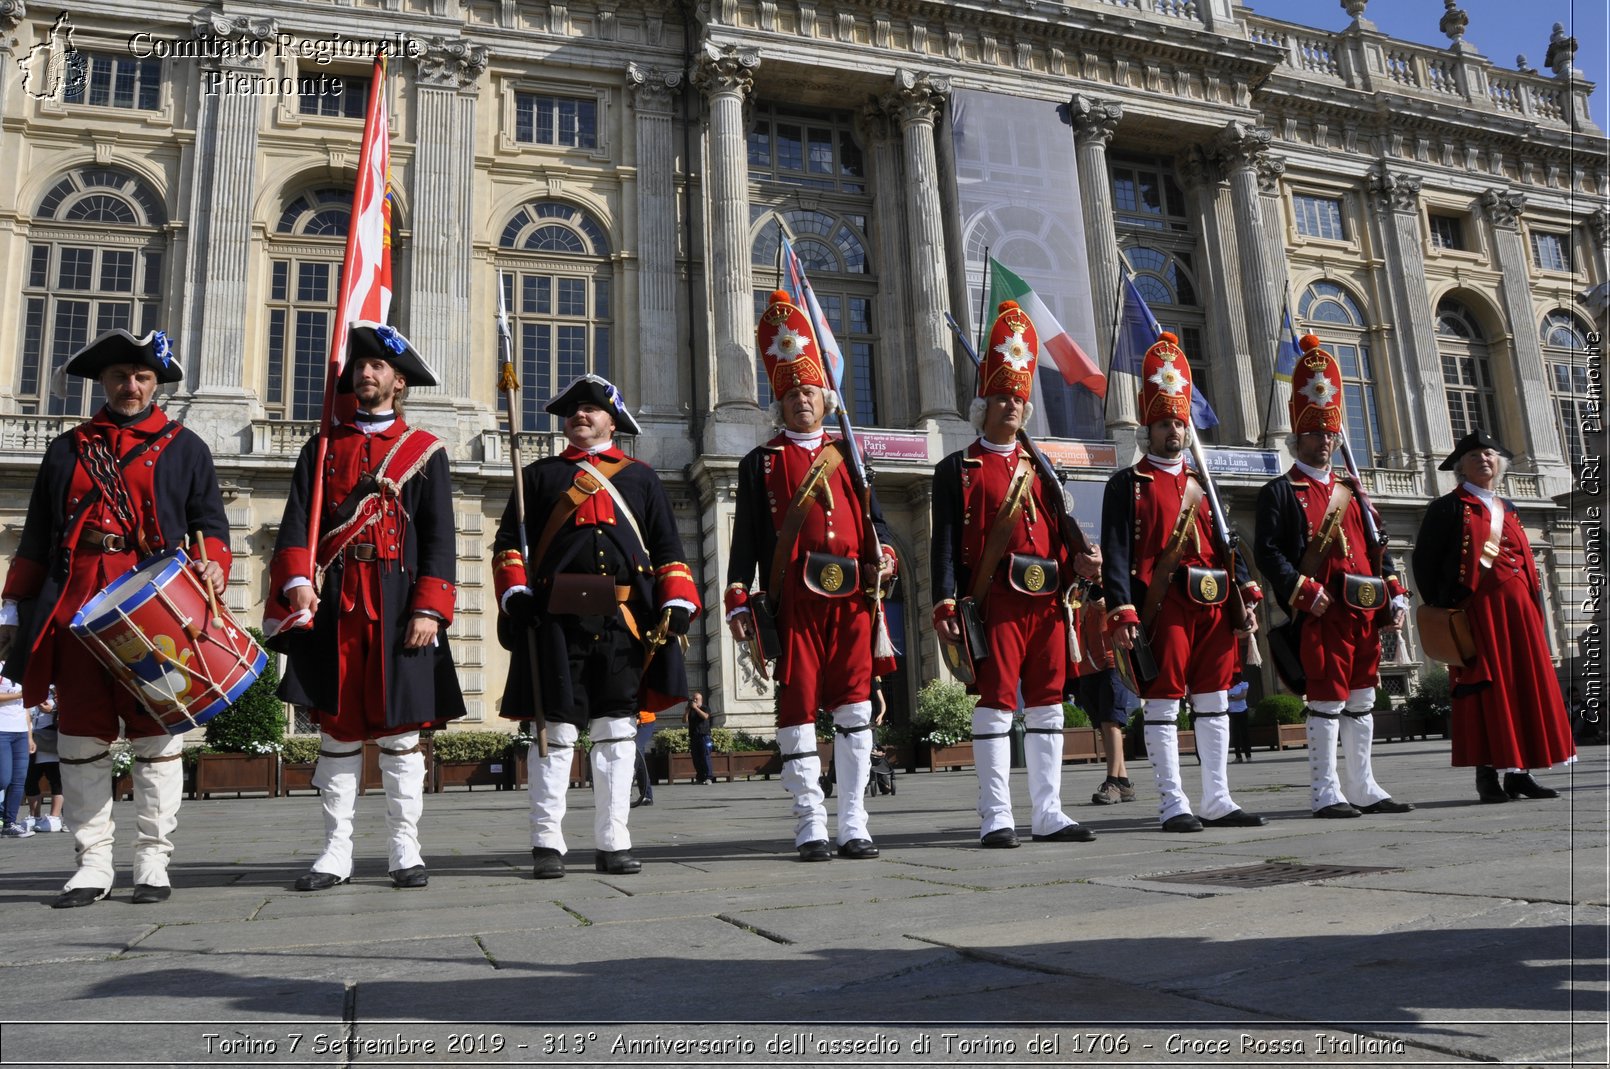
(1366, 595)
(1034, 578)
(1210, 588)
(832, 578)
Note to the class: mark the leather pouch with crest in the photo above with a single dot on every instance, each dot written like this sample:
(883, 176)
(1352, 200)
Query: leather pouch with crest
(1036, 576)
(1364, 592)
(1207, 586)
(579, 594)
(830, 576)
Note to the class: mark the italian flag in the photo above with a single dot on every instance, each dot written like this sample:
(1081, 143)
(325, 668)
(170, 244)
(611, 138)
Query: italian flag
(1077, 368)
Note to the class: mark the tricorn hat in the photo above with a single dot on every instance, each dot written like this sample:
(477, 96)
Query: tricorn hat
(1013, 353)
(1316, 389)
(118, 346)
(789, 347)
(381, 342)
(1165, 382)
(1470, 443)
(594, 390)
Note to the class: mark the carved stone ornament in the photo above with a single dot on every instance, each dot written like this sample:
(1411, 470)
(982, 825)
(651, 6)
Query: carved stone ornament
(725, 69)
(217, 24)
(1599, 223)
(1503, 207)
(1091, 119)
(450, 62)
(12, 12)
(1561, 53)
(650, 88)
(1197, 169)
(1239, 144)
(1453, 21)
(917, 97)
(872, 123)
(1355, 8)
(1269, 168)
(1397, 192)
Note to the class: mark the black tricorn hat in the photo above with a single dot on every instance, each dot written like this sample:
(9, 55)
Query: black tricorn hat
(1470, 443)
(594, 390)
(383, 343)
(118, 346)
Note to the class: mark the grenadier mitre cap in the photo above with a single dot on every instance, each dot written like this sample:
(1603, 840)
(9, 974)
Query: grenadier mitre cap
(1316, 390)
(788, 345)
(1165, 382)
(1013, 352)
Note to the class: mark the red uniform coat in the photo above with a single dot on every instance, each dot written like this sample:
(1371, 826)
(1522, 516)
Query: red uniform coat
(826, 656)
(1507, 708)
(172, 490)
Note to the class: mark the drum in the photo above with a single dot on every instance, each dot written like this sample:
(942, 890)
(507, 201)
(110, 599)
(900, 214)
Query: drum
(155, 632)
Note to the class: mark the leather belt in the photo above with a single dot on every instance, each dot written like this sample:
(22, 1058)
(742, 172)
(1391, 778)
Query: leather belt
(366, 551)
(105, 541)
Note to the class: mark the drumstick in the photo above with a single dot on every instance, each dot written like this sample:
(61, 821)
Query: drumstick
(212, 599)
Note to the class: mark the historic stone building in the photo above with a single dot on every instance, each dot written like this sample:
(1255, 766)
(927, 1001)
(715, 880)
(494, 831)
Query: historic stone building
(1438, 217)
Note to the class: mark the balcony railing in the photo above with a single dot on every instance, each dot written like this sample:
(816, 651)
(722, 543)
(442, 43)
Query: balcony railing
(1392, 482)
(30, 434)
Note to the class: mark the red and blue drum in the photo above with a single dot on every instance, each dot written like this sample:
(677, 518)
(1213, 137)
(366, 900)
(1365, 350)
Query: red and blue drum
(155, 631)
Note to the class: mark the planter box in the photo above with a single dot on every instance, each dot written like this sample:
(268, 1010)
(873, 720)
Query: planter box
(1389, 725)
(747, 763)
(490, 772)
(371, 779)
(1293, 736)
(123, 787)
(296, 776)
(950, 757)
(517, 770)
(1080, 744)
(236, 773)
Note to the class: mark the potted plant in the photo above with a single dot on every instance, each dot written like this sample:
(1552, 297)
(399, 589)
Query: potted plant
(1277, 722)
(1427, 710)
(944, 721)
(751, 755)
(122, 770)
(299, 756)
(471, 759)
(243, 742)
(1135, 733)
(1080, 741)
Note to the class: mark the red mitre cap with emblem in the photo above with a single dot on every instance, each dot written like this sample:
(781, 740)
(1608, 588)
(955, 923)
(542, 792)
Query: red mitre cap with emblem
(1013, 352)
(1165, 382)
(788, 345)
(1316, 389)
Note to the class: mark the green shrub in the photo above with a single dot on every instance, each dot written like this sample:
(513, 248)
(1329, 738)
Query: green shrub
(471, 745)
(1433, 695)
(743, 740)
(1279, 709)
(721, 740)
(944, 713)
(1073, 716)
(301, 749)
(1383, 701)
(256, 722)
(671, 740)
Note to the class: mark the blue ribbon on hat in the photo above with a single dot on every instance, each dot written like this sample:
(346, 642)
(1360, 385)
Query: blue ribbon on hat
(392, 339)
(163, 348)
(616, 399)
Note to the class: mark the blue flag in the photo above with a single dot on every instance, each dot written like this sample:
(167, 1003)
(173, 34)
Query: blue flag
(1137, 331)
(1286, 356)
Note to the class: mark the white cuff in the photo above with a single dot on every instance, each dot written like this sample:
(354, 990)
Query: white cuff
(1400, 603)
(735, 612)
(294, 582)
(679, 603)
(503, 602)
(8, 614)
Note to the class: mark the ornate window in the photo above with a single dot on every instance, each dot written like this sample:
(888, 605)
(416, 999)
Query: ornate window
(1145, 194)
(1447, 231)
(558, 285)
(1339, 322)
(568, 122)
(815, 151)
(351, 102)
(1319, 217)
(1551, 252)
(95, 257)
(1467, 376)
(304, 265)
(111, 80)
(1565, 348)
(1166, 282)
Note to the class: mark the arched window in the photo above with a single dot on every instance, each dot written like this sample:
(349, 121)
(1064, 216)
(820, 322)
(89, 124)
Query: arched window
(833, 249)
(305, 253)
(1166, 282)
(558, 284)
(1331, 313)
(1467, 376)
(1565, 347)
(95, 256)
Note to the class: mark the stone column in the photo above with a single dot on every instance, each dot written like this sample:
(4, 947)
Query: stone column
(1236, 395)
(726, 75)
(12, 12)
(441, 320)
(223, 184)
(1238, 149)
(881, 143)
(1270, 168)
(651, 93)
(1421, 405)
(915, 103)
(1094, 122)
(1541, 441)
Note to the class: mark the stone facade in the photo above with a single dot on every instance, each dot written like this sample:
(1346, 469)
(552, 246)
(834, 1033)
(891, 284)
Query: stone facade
(621, 165)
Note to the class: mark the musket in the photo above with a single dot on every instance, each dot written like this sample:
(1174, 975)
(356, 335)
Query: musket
(1373, 530)
(1229, 542)
(509, 387)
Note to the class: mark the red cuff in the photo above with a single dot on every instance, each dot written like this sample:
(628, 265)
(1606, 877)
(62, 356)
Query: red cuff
(674, 582)
(433, 595)
(24, 579)
(735, 598)
(508, 571)
(293, 562)
(1307, 593)
(945, 610)
(888, 551)
(1122, 615)
(1251, 593)
(218, 553)
(1394, 588)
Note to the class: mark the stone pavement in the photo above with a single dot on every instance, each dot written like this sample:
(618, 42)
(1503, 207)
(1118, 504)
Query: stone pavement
(1478, 934)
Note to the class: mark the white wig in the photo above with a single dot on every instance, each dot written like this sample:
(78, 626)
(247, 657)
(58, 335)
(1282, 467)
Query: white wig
(830, 405)
(975, 413)
(1500, 468)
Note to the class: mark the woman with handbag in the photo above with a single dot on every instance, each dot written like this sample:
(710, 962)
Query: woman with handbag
(1473, 555)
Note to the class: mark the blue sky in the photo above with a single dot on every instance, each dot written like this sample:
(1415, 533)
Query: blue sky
(1498, 28)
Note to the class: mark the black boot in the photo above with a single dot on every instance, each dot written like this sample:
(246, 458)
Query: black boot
(1487, 784)
(1517, 784)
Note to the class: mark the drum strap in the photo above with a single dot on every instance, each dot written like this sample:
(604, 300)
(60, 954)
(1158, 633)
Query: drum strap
(106, 473)
(159, 760)
(84, 760)
(402, 461)
(415, 748)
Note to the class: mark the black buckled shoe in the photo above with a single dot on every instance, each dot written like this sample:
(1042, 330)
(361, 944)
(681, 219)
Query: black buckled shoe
(148, 893)
(616, 862)
(548, 863)
(1073, 833)
(858, 850)
(1236, 818)
(814, 850)
(1000, 839)
(412, 876)
(1338, 811)
(80, 896)
(1182, 822)
(1487, 787)
(1387, 805)
(1521, 784)
(314, 880)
